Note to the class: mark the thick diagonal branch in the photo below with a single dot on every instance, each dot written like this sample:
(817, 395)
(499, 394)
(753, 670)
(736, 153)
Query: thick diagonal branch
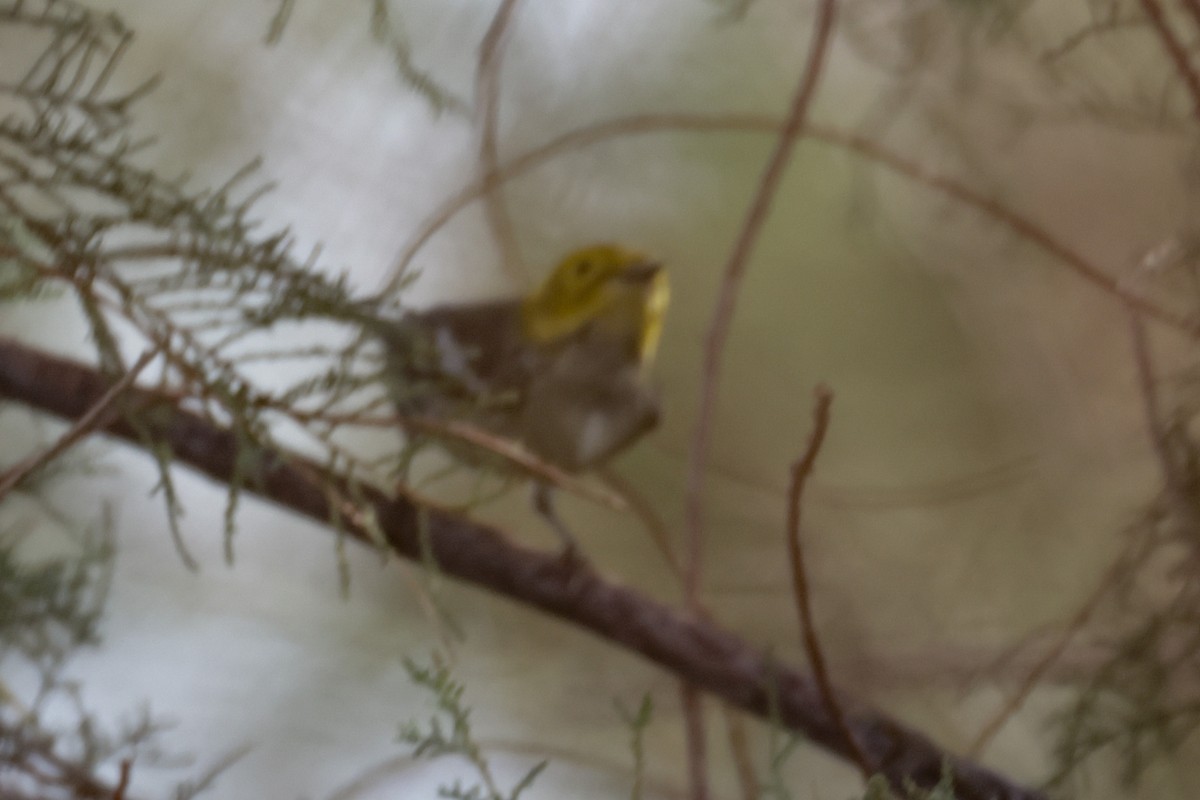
(693, 649)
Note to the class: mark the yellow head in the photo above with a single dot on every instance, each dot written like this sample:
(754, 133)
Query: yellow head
(617, 291)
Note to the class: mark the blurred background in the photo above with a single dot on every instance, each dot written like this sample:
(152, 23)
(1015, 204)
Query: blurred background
(988, 445)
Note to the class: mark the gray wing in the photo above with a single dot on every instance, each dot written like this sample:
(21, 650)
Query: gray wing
(457, 356)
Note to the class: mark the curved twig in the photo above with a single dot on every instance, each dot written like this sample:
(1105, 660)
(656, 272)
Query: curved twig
(750, 123)
(487, 112)
(1175, 50)
(802, 470)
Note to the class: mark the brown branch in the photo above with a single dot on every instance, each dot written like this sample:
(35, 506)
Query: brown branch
(748, 123)
(123, 780)
(1175, 50)
(98, 416)
(487, 110)
(802, 469)
(691, 648)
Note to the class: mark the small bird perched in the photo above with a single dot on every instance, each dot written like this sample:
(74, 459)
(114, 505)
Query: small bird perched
(564, 371)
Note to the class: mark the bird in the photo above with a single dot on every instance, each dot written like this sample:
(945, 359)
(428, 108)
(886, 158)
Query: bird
(564, 371)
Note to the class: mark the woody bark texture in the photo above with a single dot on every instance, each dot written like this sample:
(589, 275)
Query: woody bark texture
(695, 650)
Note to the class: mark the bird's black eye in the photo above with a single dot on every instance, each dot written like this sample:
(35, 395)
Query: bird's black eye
(583, 268)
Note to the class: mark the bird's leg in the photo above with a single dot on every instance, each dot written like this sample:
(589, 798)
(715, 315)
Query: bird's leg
(543, 501)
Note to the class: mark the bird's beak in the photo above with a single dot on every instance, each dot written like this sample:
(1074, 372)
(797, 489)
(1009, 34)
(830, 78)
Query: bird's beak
(642, 272)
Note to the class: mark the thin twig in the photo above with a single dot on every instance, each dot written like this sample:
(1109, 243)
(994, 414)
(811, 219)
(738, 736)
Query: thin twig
(1166, 433)
(735, 268)
(487, 110)
(519, 456)
(735, 725)
(739, 750)
(97, 417)
(802, 469)
(1193, 8)
(696, 742)
(1178, 483)
(1047, 661)
(1175, 49)
(123, 780)
(1022, 226)
(1080, 36)
(962, 487)
(596, 133)
(638, 504)
(1176, 489)
(279, 21)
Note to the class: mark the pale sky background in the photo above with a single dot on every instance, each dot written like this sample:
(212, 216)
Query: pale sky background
(986, 447)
